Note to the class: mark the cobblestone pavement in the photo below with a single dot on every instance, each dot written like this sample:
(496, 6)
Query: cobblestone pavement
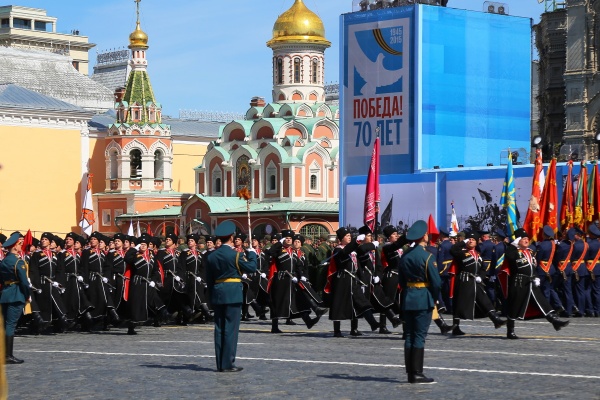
(174, 362)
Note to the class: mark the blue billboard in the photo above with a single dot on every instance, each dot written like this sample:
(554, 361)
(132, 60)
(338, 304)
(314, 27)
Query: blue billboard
(441, 87)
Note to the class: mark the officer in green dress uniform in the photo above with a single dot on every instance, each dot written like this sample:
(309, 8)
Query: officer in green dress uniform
(223, 277)
(15, 292)
(420, 281)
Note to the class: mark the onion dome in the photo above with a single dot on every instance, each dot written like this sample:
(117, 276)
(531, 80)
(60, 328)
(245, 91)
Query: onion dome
(138, 38)
(298, 25)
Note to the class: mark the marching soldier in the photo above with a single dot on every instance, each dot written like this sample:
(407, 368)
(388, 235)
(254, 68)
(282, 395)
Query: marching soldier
(193, 262)
(564, 271)
(173, 274)
(78, 306)
(370, 271)
(581, 293)
(593, 266)
(119, 274)
(486, 250)
(45, 275)
(420, 280)
(143, 293)
(260, 282)
(323, 255)
(546, 251)
(285, 273)
(345, 289)
(444, 261)
(469, 290)
(305, 288)
(15, 291)
(524, 285)
(95, 275)
(390, 260)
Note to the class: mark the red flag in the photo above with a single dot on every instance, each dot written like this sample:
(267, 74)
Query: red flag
(372, 191)
(164, 229)
(567, 207)
(432, 230)
(595, 198)
(533, 222)
(549, 200)
(27, 242)
(581, 203)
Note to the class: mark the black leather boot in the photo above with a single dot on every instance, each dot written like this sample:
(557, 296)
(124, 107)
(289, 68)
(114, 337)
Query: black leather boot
(114, 317)
(394, 319)
(131, 329)
(10, 359)
(368, 316)
(408, 364)
(556, 322)
(496, 319)
(206, 311)
(87, 322)
(354, 328)
(510, 329)
(260, 312)
(417, 358)
(319, 311)
(337, 330)
(382, 328)
(444, 327)
(290, 321)
(275, 326)
(457, 331)
(310, 322)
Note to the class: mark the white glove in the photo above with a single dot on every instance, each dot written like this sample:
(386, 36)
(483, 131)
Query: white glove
(466, 241)
(105, 280)
(375, 279)
(198, 279)
(178, 279)
(263, 275)
(478, 279)
(251, 250)
(536, 281)
(493, 278)
(244, 276)
(303, 278)
(152, 284)
(80, 278)
(295, 280)
(29, 299)
(137, 247)
(376, 243)
(281, 240)
(360, 238)
(55, 284)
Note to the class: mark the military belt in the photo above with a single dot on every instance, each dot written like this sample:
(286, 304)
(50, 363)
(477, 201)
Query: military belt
(417, 284)
(8, 283)
(228, 280)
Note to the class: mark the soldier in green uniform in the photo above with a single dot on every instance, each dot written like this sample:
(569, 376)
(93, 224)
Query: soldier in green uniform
(420, 281)
(224, 279)
(15, 292)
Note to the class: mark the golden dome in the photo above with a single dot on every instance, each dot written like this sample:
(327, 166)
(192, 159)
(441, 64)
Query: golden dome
(138, 38)
(298, 25)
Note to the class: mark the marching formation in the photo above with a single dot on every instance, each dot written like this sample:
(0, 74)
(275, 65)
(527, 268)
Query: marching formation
(72, 283)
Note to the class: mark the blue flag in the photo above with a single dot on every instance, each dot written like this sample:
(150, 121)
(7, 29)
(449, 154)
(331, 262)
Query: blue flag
(508, 199)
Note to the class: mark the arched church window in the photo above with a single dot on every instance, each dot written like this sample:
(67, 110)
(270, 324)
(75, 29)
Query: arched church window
(135, 164)
(271, 180)
(279, 71)
(158, 165)
(296, 70)
(114, 167)
(216, 178)
(315, 71)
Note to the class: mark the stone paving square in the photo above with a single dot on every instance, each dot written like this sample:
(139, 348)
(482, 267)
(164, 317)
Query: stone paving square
(175, 362)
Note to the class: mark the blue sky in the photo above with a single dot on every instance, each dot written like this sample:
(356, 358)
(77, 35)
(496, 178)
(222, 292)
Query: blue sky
(211, 54)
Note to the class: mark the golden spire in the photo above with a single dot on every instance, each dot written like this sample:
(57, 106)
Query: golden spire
(298, 25)
(138, 38)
